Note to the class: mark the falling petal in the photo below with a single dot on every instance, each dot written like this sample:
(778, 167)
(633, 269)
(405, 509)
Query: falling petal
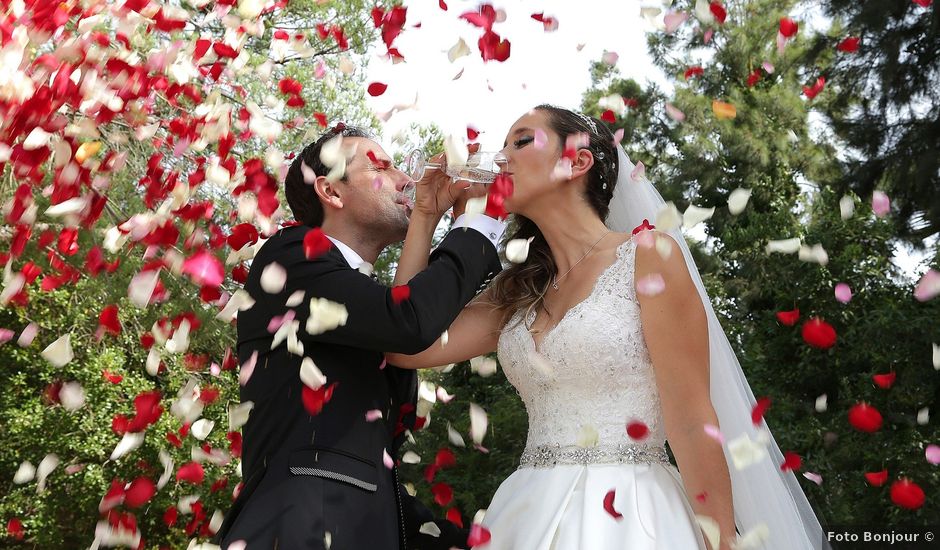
(72, 396)
(710, 529)
(59, 353)
(745, 451)
(273, 278)
(815, 253)
(907, 494)
(821, 403)
(478, 423)
(610, 58)
(49, 463)
(814, 477)
(25, 473)
(651, 285)
(128, 443)
(715, 433)
(673, 20)
(201, 428)
(238, 415)
(387, 460)
(638, 172)
(458, 50)
(454, 437)
(936, 356)
(247, 368)
(880, 204)
(846, 207)
(373, 415)
(784, 246)
(724, 111)
(431, 529)
(694, 215)
(843, 293)
(933, 454)
(588, 436)
(540, 138)
(865, 418)
(738, 200)
(311, 376)
(923, 416)
(483, 365)
(753, 539)
(517, 250)
(928, 287)
(668, 217)
(609, 504)
(674, 113)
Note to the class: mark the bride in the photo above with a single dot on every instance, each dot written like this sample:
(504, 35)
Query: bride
(607, 333)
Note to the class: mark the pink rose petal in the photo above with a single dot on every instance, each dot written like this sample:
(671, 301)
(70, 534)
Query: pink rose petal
(933, 454)
(674, 113)
(373, 415)
(928, 287)
(244, 373)
(651, 285)
(673, 20)
(843, 293)
(880, 204)
(28, 334)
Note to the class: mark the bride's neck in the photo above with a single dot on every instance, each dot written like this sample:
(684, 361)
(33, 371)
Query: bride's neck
(570, 231)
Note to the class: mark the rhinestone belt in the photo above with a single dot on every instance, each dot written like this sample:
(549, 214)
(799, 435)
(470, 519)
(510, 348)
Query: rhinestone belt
(546, 456)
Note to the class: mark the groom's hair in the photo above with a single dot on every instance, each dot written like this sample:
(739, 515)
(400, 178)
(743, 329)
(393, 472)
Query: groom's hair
(301, 197)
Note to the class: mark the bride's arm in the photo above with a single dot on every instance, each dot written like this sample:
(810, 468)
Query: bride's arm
(681, 364)
(475, 332)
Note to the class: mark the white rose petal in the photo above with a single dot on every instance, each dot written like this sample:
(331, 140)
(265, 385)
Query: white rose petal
(310, 375)
(753, 539)
(815, 253)
(745, 451)
(737, 200)
(588, 436)
(454, 437)
(784, 246)
(458, 50)
(923, 416)
(72, 396)
(273, 278)
(128, 443)
(59, 353)
(478, 423)
(517, 250)
(238, 415)
(846, 207)
(936, 356)
(46, 466)
(704, 14)
(709, 527)
(482, 365)
(25, 473)
(201, 428)
(431, 529)
(695, 215)
(325, 315)
(411, 457)
(142, 286)
(822, 403)
(668, 217)
(167, 462)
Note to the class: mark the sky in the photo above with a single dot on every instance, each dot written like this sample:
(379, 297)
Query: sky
(544, 67)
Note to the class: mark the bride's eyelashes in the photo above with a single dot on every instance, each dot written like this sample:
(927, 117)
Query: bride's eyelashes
(522, 142)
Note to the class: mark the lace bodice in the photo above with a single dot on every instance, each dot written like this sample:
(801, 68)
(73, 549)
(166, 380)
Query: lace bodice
(592, 371)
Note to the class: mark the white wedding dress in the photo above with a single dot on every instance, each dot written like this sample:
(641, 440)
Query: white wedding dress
(591, 373)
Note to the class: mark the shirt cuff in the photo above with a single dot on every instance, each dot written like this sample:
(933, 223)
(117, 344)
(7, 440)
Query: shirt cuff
(491, 228)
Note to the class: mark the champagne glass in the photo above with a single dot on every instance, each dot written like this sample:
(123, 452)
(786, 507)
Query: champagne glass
(480, 168)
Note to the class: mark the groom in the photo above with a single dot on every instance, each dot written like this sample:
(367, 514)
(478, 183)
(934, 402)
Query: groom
(317, 464)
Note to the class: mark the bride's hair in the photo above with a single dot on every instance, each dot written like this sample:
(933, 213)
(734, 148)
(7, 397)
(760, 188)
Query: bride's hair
(522, 286)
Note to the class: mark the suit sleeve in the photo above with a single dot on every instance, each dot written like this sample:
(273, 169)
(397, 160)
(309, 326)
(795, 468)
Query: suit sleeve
(458, 269)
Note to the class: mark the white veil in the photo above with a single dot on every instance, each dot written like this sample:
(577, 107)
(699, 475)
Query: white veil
(762, 492)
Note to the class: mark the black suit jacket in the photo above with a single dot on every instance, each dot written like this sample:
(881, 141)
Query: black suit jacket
(309, 477)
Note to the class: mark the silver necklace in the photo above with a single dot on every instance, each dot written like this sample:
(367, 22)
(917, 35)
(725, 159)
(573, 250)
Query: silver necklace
(555, 278)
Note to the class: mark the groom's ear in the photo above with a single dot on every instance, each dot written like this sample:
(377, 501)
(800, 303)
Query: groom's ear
(328, 192)
(582, 163)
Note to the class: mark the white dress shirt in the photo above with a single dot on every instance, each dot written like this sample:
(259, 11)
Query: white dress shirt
(491, 228)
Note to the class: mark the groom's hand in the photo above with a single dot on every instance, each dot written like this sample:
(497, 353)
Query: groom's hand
(436, 193)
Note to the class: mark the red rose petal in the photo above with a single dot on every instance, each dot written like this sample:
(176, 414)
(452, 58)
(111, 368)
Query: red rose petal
(401, 293)
(191, 472)
(865, 418)
(645, 226)
(453, 516)
(15, 528)
(608, 116)
(788, 27)
(819, 334)
(140, 491)
(877, 479)
(314, 400)
(479, 535)
(884, 381)
(718, 11)
(316, 243)
(377, 88)
(849, 45)
(760, 408)
(443, 493)
(791, 461)
(789, 318)
(907, 494)
(609, 504)
(108, 319)
(637, 430)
